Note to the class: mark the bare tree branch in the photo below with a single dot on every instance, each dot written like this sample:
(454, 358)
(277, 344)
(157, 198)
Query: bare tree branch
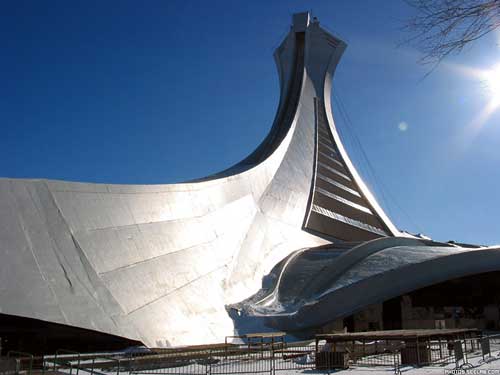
(442, 27)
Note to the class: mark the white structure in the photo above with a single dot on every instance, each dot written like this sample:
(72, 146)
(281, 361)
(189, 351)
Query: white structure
(160, 263)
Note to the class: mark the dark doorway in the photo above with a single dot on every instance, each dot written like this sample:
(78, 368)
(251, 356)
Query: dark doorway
(391, 314)
(349, 323)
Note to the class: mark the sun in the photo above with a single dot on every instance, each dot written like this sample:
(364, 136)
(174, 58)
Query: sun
(488, 78)
(492, 82)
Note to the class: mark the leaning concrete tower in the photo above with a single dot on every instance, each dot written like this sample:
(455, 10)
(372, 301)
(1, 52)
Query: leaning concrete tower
(160, 263)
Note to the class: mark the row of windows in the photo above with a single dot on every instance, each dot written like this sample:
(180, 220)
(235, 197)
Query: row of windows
(332, 158)
(338, 184)
(343, 200)
(347, 220)
(334, 171)
(337, 179)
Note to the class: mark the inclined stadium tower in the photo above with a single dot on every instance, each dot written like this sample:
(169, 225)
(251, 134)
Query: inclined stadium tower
(184, 263)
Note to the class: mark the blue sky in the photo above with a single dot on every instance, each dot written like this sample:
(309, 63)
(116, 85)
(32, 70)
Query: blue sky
(166, 91)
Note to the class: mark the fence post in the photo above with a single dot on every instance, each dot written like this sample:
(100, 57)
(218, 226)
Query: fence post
(271, 363)
(397, 369)
(208, 368)
(68, 352)
(262, 347)
(225, 348)
(485, 347)
(459, 354)
(418, 353)
(489, 345)
(22, 355)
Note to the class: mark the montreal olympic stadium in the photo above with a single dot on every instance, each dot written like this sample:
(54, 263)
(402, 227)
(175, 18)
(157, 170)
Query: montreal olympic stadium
(289, 239)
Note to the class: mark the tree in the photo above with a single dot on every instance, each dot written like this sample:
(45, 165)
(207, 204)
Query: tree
(442, 27)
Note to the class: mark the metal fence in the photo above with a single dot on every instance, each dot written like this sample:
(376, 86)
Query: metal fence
(264, 359)
(74, 363)
(19, 362)
(233, 359)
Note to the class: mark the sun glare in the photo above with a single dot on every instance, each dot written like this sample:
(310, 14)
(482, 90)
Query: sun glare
(492, 81)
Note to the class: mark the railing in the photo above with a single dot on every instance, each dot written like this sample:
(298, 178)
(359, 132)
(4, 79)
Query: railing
(234, 359)
(73, 363)
(268, 358)
(383, 353)
(24, 361)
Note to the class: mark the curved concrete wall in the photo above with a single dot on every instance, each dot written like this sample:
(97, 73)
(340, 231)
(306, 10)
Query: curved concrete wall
(372, 272)
(160, 263)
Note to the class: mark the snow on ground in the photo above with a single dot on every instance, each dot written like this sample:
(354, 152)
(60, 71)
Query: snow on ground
(491, 366)
(476, 366)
